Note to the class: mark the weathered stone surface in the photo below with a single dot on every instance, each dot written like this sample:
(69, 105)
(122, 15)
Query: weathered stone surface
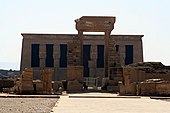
(154, 87)
(130, 75)
(150, 67)
(26, 81)
(113, 88)
(94, 40)
(98, 24)
(74, 78)
(75, 52)
(39, 85)
(46, 78)
(74, 86)
(27, 74)
(147, 89)
(112, 82)
(95, 23)
(129, 89)
(142, 71)
(75, 73)
(27, 85)
(163, 89)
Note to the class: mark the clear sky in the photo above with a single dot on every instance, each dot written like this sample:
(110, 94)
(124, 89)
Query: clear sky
(150, 18)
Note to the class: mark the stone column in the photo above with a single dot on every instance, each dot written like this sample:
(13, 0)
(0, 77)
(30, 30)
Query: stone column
(122, 54)
(42, 55)
(80, 36)
(106, 48)
(93, 51)
(56, 56)
(75, 62)
(92, 62)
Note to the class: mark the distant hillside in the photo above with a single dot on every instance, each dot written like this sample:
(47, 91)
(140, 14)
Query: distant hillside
(8, 73)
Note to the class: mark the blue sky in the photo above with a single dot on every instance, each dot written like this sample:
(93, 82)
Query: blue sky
(148, 17)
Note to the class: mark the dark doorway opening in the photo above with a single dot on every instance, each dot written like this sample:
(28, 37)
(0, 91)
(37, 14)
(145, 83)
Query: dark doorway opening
(129, 54)
(35, 61)
(63, 55)
(100, 56)
(86, 58)
(49, 55)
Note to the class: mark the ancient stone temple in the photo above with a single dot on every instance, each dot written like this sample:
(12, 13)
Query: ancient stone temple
(80, 58)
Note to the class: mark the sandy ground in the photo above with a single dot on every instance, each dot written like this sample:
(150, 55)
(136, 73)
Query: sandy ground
(110, 105)
(27, 105)
(78, 103)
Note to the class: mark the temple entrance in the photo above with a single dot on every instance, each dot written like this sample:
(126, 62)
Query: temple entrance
(78, 65)
(97, 24)
(94, 84)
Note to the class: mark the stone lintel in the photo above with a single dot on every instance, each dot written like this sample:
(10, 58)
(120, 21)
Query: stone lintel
(95, 23)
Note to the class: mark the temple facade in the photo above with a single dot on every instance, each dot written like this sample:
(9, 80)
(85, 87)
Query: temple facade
(41, 51)
(78, 62)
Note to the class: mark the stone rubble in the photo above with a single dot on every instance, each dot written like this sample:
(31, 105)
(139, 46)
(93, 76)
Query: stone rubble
(151, 67)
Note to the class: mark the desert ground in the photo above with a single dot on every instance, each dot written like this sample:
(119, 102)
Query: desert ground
(27, 105)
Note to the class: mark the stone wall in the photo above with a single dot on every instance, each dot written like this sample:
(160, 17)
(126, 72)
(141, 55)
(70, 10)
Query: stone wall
(146, 78)
(28, 85)
(75, 68)
(147, 70)
(129, 89)
(46, 78)
(93, 40)
(154, 87)
(75, 73)
(27, 81)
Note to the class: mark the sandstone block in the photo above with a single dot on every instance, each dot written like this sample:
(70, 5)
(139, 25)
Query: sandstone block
(75, 73)
(129, 89)
(74, 86)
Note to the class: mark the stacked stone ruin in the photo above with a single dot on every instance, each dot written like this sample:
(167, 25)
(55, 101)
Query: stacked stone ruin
(146, 78)
(28, 85)
(46, 78)
(115, 69)
(26, 81)
(75, 68)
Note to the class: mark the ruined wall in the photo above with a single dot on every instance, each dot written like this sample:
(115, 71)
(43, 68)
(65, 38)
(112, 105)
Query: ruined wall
(132, 75)
(141, 73)
(27, 81)
(149, 87)
(154, 88)
(75, 65)
(164, 76)
(147, 78)
(28, 85)
(129, 89)
(46, 78)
